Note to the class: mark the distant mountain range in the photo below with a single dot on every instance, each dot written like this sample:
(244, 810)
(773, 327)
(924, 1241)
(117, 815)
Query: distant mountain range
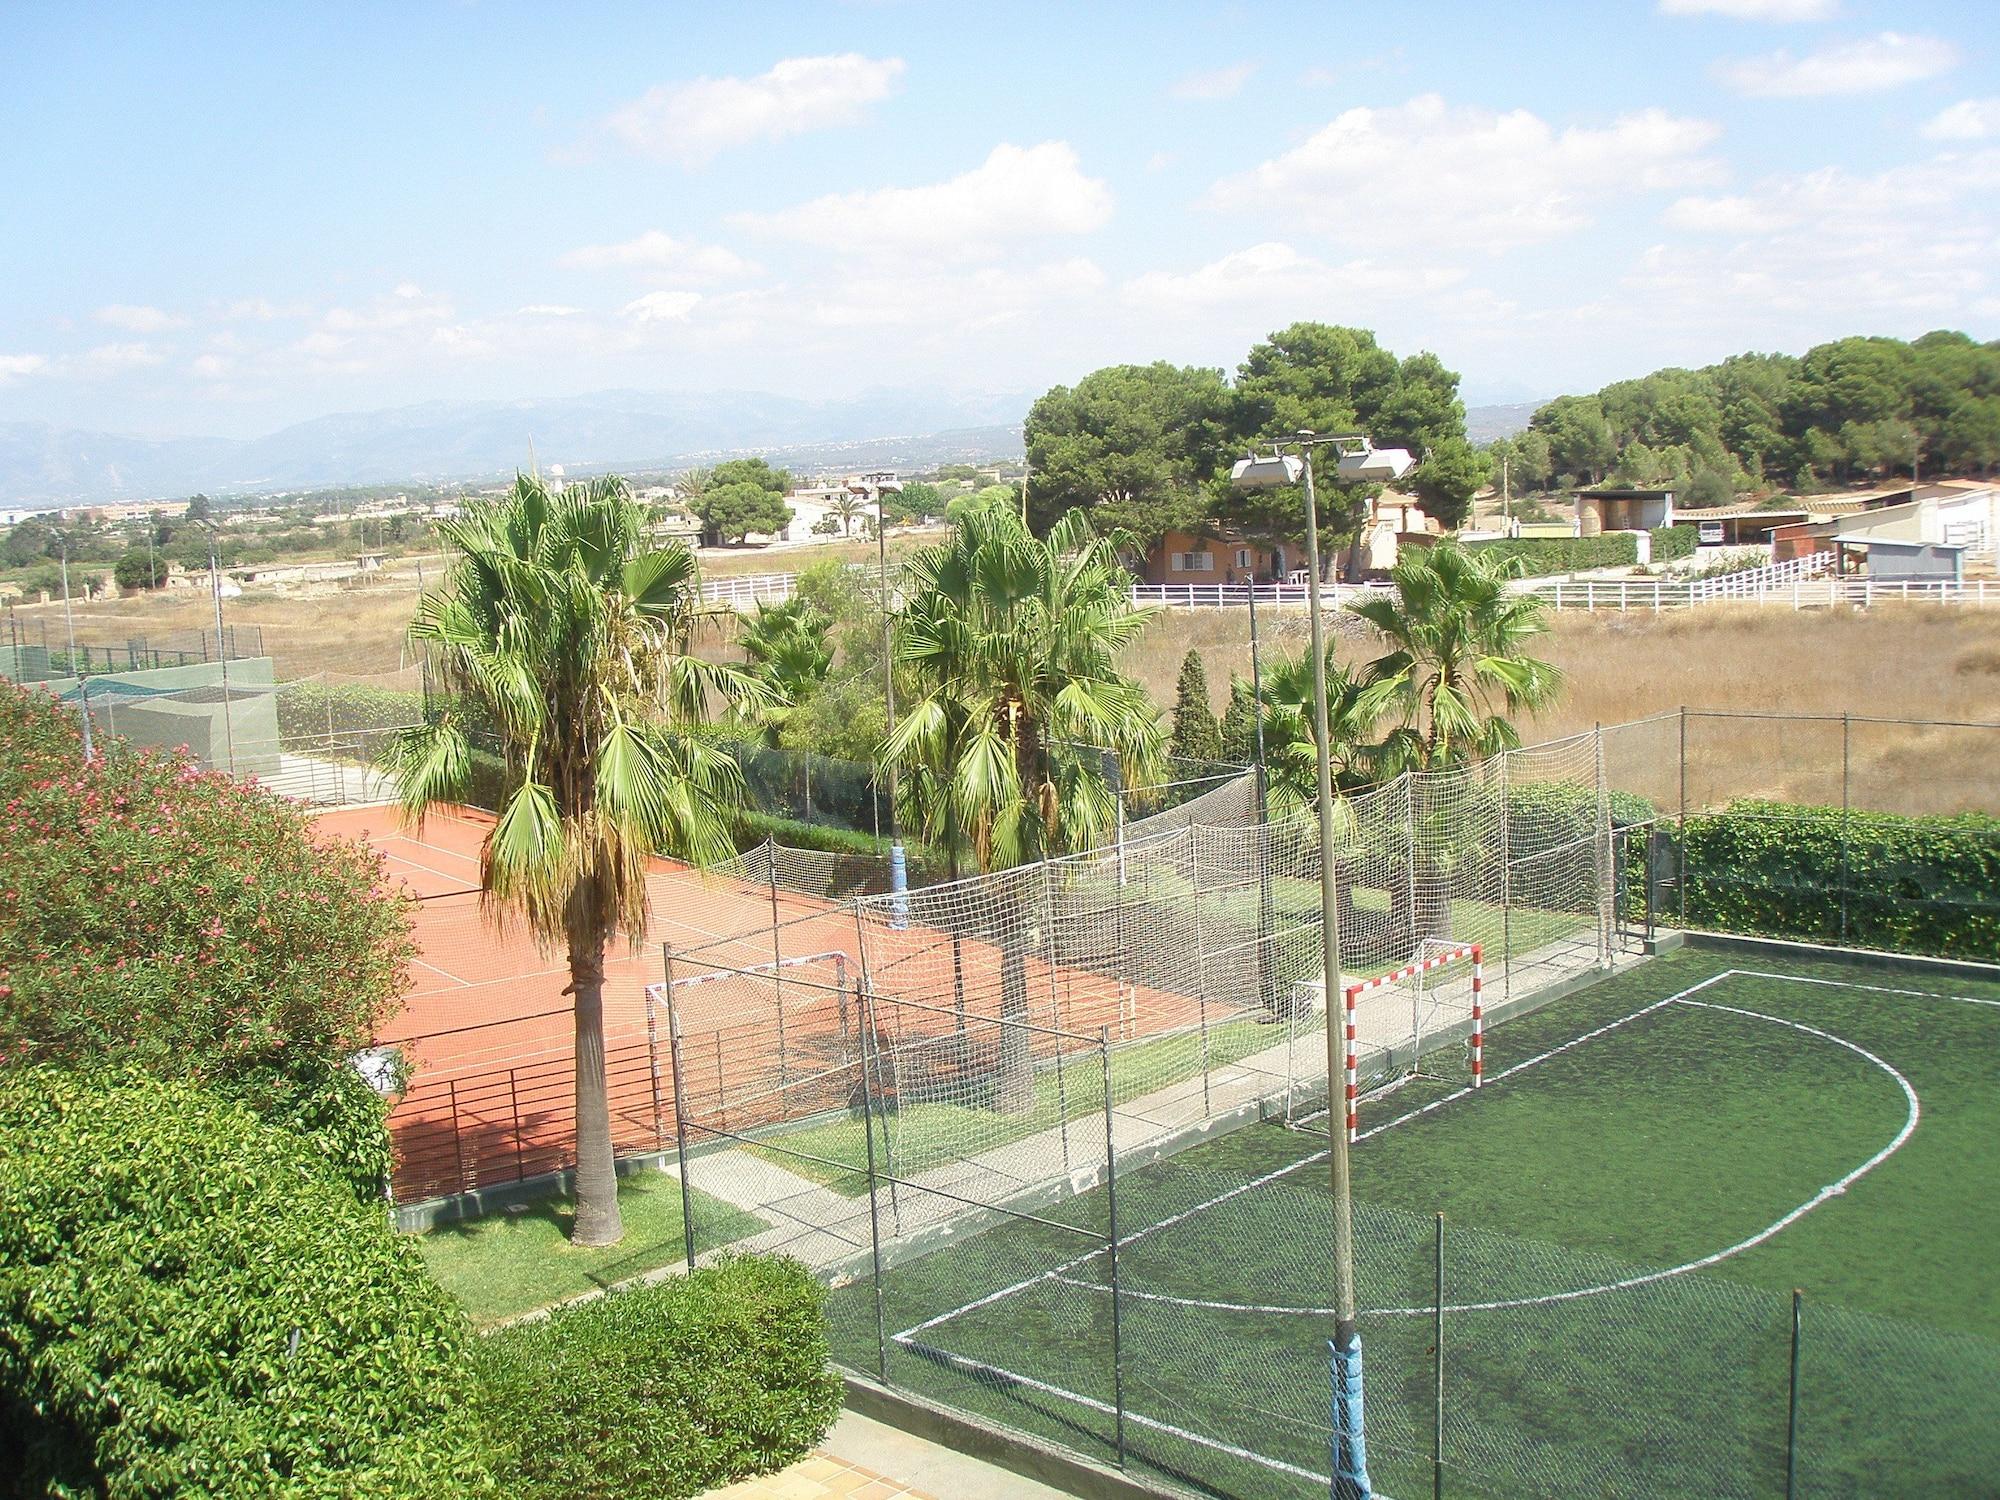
(445, 440)
(467, 440)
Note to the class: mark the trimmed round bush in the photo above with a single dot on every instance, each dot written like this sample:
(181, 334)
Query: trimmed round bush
(191, 1305)
(663, 1390)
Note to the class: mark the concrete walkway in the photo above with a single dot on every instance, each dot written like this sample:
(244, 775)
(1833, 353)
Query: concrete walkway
(863, 1459)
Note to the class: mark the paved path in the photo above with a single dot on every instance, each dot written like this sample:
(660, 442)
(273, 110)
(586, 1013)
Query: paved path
(863, 1459)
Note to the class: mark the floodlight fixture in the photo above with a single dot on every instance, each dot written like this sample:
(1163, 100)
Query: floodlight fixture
(1273, 471)
(1374, 465)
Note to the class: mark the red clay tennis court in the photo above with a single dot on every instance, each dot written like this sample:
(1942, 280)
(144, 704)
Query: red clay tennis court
(487, 1025)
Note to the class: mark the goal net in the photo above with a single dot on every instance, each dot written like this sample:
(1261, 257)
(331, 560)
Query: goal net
(1423, 1020)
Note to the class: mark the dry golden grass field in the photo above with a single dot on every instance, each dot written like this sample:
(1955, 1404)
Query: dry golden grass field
(1897, 662)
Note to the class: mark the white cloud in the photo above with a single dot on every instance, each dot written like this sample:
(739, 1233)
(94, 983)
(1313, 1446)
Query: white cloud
(1214, 84)
(1428, 174)
(657, 252)
(112, 359)
(138, 319)
(263, 310)
(1016, 193)
(1885, 61)
(547, 310)
(1903, 249)
(20, 366)
(212, 366)
(1731, 215)
(692, 122)
(661, 307)
(1753, 10)
(1967, 120)
(950, 303)
(1276, 273)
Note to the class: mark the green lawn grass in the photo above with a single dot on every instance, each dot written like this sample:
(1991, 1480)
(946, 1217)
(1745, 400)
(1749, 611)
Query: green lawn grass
(1667, 1139)
(928, 1134)
(507, 1264)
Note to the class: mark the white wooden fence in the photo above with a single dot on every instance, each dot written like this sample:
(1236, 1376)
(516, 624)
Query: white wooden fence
(1800, 583)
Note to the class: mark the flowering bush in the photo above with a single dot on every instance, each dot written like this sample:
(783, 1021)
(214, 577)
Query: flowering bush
(155, 913)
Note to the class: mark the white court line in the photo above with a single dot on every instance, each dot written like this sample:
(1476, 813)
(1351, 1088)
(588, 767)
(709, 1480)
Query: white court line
(1879, 989)
(1304, 1161)
(1831, 1190)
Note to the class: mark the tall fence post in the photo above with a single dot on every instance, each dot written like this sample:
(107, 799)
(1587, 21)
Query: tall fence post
(1681, 830)
(1055, 1008)
(457, 1135)
(1111, 1213)
(680, 1096)
(1846, 804)
(514, 1110)
(1200, 963)
(1792, 1401)
(1437, 1364)
(653, 1067)
(778, 980)
(1506, 876)
(874, 1199)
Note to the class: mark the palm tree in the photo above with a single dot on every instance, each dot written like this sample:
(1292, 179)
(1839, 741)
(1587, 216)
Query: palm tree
(1012, 643)
(846, 508)
(788, 649)
(1458, 640)
(1457, 665)
(558, 627)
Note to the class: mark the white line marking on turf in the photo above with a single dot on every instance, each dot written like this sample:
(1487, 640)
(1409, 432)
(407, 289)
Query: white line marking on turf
(980, 1367)
(1832, 1190)
(1057, 1272)
(1879, 989)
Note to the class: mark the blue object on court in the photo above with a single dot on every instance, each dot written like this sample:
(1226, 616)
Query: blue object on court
(899, 888)
(1350, 1449)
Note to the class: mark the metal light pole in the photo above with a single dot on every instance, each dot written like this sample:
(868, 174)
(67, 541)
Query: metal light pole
(81, 673)
(221, 651)
(888, 661)
(1350, 1454)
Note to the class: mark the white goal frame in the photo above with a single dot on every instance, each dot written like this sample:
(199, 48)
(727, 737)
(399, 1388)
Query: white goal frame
(1350, 1003)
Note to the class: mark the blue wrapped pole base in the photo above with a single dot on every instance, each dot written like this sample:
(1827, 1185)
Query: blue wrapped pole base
(1350, 1449)
(899, 887)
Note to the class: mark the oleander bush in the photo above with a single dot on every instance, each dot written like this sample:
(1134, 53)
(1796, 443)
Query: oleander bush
(663, 1390)
(192, 1305)
(158, 914)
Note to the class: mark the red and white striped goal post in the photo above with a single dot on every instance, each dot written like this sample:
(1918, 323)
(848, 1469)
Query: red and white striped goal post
(1354, 992)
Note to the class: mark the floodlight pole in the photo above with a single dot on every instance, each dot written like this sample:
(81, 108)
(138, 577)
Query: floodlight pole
(888, 656)
(1350, 1471)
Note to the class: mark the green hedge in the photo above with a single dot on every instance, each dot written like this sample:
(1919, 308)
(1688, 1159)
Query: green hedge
(1926, 885)
(1539, 556)
(190, 1306)
(754, 827)
(1673, 542)
(663, 1390)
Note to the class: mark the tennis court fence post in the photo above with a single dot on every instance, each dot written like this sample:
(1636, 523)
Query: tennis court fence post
(1792, 1400)
(653, 1064)
(680, 1094)
(874, 1198)
(778, 976)
(1437, 1365)
(1055, 1007)
(1200, 964)
(1111, 1246)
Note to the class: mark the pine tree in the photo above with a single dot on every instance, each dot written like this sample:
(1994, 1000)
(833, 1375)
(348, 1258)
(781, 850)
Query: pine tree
(1239, 724)
(1197, 736)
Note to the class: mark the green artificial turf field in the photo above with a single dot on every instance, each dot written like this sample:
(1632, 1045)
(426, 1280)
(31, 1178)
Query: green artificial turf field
(1654, 1164)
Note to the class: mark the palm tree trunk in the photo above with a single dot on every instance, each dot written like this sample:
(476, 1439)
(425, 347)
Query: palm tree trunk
(598, 1221)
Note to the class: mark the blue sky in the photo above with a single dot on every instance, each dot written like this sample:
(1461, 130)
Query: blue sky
(224, 218)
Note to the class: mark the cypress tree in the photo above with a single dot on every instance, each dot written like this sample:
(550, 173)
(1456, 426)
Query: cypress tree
(1197, 736)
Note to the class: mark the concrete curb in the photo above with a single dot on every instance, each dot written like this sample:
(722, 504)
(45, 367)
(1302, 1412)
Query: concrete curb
(1016, 1452)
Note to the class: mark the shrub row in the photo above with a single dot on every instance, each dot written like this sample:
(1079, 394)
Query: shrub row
(1870, 880)
(1673, 542)
(191, 1305)
(1539, 556)
(664, 1390)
